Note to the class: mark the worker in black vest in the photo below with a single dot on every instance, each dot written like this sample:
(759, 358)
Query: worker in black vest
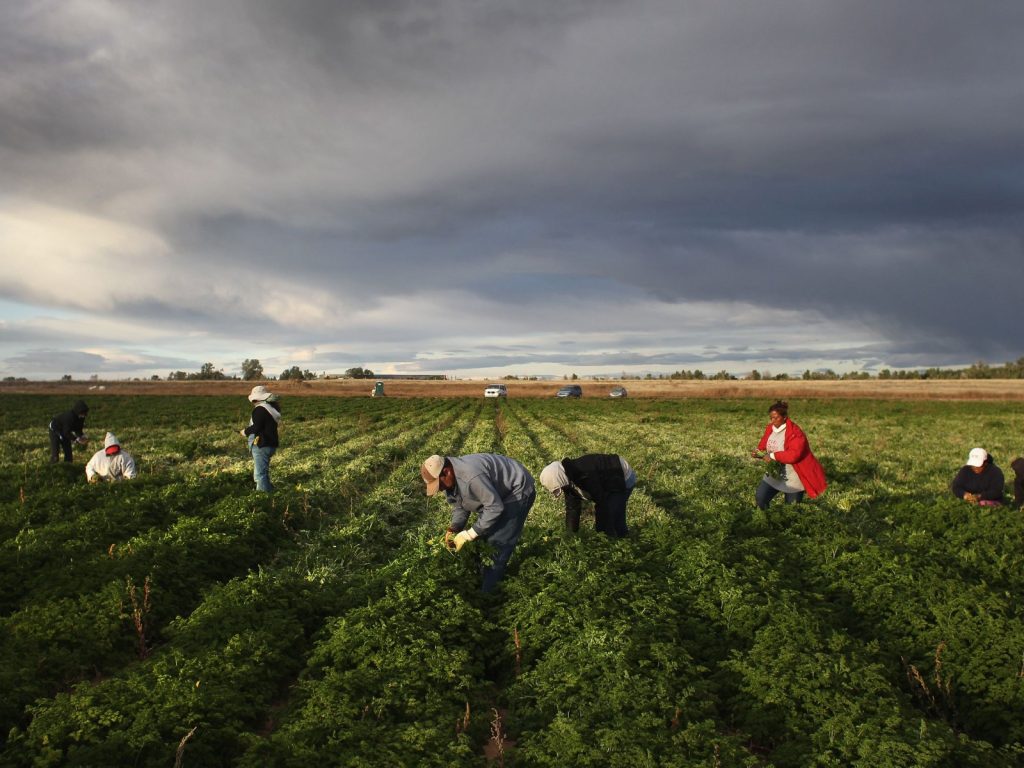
(606, 479)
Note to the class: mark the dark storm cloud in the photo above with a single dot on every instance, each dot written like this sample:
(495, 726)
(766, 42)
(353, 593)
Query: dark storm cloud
(860, 161)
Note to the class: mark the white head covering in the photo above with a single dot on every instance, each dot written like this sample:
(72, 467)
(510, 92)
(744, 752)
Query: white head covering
(553, 476)
(977, 457)
(109, 440)
(259, 394)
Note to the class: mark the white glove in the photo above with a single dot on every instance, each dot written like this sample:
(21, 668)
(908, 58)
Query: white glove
(462, 537)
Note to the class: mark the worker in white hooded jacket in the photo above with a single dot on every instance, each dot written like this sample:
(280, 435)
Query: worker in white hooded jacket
(112, 463)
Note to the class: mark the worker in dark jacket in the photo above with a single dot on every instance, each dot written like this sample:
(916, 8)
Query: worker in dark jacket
(66, 429)
(1018, 482)
(603, 478)
(261, 434)
(979, 481)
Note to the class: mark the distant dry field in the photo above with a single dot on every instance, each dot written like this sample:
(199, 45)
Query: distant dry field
(964, 389)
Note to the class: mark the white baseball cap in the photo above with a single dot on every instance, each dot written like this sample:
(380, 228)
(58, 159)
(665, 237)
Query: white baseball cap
(977, 457)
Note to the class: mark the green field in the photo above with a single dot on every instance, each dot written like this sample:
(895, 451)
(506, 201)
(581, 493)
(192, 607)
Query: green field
(183, 616)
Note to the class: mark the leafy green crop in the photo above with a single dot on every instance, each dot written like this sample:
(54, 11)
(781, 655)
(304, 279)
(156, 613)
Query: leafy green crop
(183, 616)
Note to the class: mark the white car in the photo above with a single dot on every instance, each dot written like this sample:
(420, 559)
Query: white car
(496, 390)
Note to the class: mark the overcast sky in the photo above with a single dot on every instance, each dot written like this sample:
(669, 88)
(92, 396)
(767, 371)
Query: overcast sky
(481, 187)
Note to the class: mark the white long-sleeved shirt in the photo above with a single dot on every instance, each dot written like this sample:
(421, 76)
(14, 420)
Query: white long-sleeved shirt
(120, 466)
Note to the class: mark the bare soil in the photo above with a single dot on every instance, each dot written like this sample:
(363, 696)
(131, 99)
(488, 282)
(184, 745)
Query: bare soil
(945, 389)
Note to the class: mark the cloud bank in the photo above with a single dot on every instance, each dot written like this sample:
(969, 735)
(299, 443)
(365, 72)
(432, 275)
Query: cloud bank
(537, 187)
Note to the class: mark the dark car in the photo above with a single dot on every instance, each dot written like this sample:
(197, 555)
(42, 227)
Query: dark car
(572, 390)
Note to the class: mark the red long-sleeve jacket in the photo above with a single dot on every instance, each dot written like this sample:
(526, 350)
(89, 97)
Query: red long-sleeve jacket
(797, 451)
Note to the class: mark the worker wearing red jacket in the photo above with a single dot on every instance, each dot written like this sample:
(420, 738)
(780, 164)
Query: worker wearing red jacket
(794, 470)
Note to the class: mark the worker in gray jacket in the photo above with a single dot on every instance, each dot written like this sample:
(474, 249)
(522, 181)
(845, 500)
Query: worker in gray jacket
(499, 490)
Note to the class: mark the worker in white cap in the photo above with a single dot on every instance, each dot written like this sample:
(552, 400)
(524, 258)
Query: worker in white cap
(979, 481)
(112, 463)
(497, 489)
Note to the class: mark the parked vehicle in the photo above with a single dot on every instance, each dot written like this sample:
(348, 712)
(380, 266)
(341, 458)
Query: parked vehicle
(378, 390)
(571, 390)
(618, 392)
(496, 390)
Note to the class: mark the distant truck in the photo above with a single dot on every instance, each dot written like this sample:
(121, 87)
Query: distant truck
(378, 390)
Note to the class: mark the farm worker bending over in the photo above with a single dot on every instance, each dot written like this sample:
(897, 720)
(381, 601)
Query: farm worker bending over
(261, 434)
(497, 489)
(112, 463)
(798, 471)
(67, 428)
(979, 481)
(603, 478)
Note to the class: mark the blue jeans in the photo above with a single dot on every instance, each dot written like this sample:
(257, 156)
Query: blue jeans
(765, 493)
(261, 467)
(504, 540)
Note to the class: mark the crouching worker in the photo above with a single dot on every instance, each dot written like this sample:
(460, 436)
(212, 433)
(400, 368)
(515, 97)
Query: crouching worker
(795, 470)
(497, 489)
(979, 481)
(112, 463)
(603, 478)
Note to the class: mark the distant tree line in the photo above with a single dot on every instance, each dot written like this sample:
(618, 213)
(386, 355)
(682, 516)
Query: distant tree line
(979, 370)
(206, 373)
(252, 370)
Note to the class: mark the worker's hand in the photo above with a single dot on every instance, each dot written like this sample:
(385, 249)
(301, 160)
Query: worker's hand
(755, 454)
(242, 433)
(971, 498)
(94, 479)
(82, 440)
(461, 538)
(449, 539)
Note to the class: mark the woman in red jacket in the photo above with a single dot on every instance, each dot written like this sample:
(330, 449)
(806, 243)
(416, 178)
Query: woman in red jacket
(798, 471)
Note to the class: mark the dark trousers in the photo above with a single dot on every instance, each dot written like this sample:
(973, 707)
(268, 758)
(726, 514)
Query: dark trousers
(58, 441)
(1018, 482)
(609, 515)
(765, 493)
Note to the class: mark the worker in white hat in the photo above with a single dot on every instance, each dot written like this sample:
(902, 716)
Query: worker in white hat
(979, 481)
(497, 489)
(111, 463)
(261, 434)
